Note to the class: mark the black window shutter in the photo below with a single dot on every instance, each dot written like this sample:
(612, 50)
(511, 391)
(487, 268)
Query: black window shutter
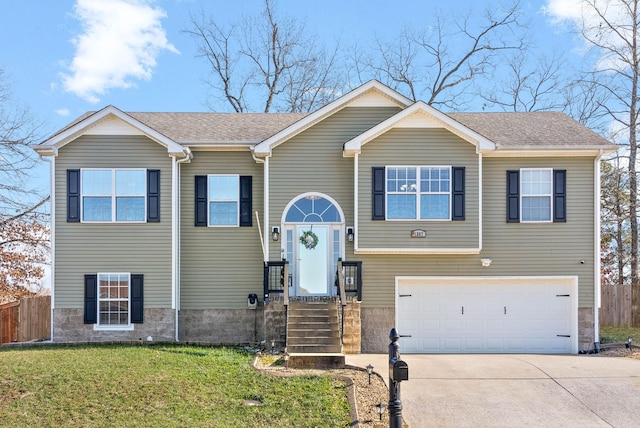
(377, 193)
(245, 200)
(513, 196)
(73, 195)
(559, 195)
(201, 200)
(90, 299)
(458, 193)
(137, 298)
(153, 195)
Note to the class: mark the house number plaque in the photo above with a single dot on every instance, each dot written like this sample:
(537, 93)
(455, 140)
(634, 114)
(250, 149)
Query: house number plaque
(418, 233)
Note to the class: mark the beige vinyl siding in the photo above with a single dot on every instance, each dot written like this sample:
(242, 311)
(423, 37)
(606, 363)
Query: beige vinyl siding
(517, 249)
(418, 147)
(220, 266)
(313, 162)
(542, 248)
(88, 248)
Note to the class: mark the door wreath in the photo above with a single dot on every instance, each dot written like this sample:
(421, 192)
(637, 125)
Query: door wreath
(309, 239)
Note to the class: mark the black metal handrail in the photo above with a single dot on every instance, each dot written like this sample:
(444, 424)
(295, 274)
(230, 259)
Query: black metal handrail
(275, 278)
(353, 278)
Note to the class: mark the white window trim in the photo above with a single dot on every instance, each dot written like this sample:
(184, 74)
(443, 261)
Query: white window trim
(418, 193)
(113, 327)
(113, 196)
(534, 195)
(236, 200)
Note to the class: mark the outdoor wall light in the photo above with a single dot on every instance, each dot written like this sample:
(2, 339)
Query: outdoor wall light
(369, 371)
(486, 262)
(380, 407)
(275, 233)
(350, 234)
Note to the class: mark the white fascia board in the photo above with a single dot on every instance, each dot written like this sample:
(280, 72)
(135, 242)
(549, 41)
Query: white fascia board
(555, 151)
(482, 144)
(417, 251)
(73, 132)
(264, 148)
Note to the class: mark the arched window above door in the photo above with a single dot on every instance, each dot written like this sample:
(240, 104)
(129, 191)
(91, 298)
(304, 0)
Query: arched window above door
(313, 209)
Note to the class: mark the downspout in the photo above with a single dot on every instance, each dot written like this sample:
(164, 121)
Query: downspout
(265, 192)
(52, 201)
(480, 220)
(175, 232)
(596, 263)
(356, 196)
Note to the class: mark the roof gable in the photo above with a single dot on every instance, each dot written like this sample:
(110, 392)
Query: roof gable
(419, 115)
(109, 121)
(371, 94)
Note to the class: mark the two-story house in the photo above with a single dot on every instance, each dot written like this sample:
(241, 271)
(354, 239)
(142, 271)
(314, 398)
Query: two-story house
(469, 232)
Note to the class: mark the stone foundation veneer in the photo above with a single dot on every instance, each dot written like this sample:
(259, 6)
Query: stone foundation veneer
(376, 325)
(69, 327)
(221, 326)
(352, 341)
(586, 332)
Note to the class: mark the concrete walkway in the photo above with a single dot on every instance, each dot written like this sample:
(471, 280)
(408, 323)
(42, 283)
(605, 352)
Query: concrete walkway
(516, 390)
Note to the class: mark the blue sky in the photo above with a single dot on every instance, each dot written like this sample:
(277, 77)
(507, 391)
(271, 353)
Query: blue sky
(65, 57)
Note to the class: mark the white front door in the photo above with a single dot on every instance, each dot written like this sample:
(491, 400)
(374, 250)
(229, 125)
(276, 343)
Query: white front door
(313, 263)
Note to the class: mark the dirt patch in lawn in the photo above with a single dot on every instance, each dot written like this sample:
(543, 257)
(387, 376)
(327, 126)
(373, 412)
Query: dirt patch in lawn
(366, 397)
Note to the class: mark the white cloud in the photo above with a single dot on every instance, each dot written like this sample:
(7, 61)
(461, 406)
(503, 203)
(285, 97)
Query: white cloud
(119, 44)
(586, 20)
(63, 112)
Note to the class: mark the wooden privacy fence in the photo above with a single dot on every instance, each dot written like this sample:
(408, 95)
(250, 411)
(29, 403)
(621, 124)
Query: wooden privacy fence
(26, 320)
(615, 305)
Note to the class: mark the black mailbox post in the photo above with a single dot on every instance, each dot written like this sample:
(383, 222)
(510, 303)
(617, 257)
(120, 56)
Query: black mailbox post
(398, 371)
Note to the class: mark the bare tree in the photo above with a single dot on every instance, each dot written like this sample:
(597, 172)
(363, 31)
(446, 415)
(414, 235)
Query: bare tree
(269, 61)
(616, 235)
(439, 62)
(529, 84)
(611, 29)
(24, 235)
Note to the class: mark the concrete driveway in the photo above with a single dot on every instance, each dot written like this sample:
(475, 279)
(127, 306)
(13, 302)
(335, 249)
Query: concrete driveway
(516, 390)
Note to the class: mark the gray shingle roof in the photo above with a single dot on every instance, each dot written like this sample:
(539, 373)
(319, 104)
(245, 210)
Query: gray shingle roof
(203, 128)
(535, 129)
(508, 130)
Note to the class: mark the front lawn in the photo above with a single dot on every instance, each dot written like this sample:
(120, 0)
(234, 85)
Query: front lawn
(619, 334)
(159, 385)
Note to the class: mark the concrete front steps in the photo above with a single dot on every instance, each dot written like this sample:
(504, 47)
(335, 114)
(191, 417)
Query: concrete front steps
(313, 335)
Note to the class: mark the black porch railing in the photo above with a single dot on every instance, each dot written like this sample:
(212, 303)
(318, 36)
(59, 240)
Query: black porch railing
(275, 278)
(353, 278)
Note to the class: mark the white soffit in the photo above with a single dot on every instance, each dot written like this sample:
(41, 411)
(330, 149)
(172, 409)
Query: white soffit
(418, 119)
(111, 125)
(373, 99)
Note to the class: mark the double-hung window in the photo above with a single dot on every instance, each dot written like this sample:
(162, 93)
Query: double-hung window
(536, 195)
(114, 300)
(418, 193)
(224, 200)
(114, 195)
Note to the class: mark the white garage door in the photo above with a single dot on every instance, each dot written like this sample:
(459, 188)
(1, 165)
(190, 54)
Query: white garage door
(487, 315)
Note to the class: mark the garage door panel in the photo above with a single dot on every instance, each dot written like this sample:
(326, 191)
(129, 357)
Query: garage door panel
(495, 344)
(487, 315)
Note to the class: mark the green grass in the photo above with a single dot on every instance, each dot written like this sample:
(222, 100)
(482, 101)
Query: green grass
(159, 385)
(619, 334)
